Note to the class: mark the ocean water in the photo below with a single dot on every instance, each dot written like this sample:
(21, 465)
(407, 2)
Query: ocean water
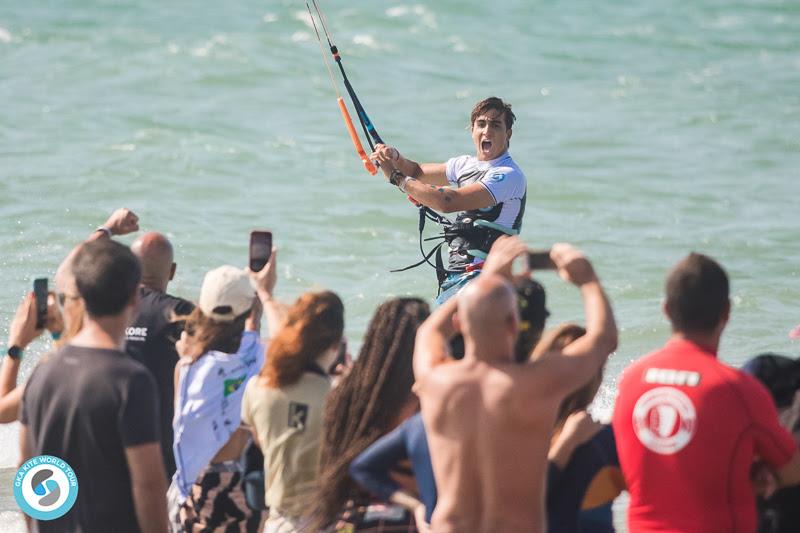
(646, 130)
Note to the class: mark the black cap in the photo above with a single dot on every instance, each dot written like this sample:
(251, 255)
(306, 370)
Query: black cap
(531, 302)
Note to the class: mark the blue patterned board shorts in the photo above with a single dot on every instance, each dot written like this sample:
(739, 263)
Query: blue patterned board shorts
(454, 283)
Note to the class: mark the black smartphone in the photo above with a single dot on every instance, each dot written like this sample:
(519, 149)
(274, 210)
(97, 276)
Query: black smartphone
(260, 249)
(540, 260)
(40, 293)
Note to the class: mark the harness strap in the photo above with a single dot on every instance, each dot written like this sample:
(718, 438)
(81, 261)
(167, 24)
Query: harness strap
(424, 260)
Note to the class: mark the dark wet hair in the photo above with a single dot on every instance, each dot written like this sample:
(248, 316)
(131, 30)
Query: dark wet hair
(493, 103)
(107, 275)
(697, 294)
(779, 373)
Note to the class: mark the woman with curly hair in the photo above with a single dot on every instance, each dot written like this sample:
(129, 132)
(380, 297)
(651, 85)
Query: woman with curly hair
(283, 405)
(373, 399)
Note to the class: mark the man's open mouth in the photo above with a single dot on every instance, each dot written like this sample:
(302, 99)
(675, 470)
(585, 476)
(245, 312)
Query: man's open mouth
(486, 145)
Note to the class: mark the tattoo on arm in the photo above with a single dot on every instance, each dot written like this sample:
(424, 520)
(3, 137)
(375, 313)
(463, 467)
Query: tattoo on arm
(448, 197)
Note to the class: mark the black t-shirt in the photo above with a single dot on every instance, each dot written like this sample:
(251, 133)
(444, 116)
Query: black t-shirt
(87, 405)
(151, 341)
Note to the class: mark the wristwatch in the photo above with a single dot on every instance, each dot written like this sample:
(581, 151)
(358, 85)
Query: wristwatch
(104, 230)
(396, 177)
(14, 352)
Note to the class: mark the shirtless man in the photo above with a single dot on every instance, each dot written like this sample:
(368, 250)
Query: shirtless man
(489, 419)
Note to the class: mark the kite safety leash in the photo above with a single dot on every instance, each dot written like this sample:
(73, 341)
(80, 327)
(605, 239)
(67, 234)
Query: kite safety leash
(369, 129)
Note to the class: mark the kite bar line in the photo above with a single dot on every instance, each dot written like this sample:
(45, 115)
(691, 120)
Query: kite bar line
(370, 132)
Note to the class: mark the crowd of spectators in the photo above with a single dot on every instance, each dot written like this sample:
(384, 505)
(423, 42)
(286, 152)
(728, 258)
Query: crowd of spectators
(471, 417)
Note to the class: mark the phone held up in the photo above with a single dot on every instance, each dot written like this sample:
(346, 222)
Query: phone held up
(540, 260)
(40, 293)
(260, 249)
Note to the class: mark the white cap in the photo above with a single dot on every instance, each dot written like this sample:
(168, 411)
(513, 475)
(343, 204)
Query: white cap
(226, 293)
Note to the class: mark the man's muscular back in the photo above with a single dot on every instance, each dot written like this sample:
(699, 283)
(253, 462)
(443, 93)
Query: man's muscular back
(492, 446)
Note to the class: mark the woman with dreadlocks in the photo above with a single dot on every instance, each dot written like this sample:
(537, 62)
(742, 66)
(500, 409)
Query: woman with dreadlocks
(373, 399)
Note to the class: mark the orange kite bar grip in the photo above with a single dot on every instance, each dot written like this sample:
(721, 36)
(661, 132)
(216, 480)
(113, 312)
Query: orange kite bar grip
(369, 165)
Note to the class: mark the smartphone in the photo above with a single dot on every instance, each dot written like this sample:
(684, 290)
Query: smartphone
(260, 249)
(40, 293)
(540, 260)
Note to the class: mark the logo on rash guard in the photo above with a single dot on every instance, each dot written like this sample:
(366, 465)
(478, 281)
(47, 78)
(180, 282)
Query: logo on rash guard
(497, 177)
(664, 420)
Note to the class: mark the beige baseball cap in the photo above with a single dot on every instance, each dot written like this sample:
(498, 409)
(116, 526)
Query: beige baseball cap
(226, 293)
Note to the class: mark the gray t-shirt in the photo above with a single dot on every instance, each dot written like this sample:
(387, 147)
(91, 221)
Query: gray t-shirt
(85, 406)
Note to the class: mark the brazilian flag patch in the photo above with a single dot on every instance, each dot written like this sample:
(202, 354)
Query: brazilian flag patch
(232, 384)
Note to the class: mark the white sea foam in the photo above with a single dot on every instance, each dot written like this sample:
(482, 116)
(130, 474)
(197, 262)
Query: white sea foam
(5, 35)
(270, 17)
(124, 147)
(301, 37)
(425, 17)
(304, 17)
(365, 39)
(205, 49)
(457, 44)
(397, 11)
(726, 22)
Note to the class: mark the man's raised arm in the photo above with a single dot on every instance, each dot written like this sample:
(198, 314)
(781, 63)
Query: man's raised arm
(569, 369)
(432, 345)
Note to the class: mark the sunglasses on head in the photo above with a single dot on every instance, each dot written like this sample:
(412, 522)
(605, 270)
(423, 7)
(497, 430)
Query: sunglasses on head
(62, 298)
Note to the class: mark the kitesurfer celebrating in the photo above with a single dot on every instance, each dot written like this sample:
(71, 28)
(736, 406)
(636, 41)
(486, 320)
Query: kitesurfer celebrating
(487, 190)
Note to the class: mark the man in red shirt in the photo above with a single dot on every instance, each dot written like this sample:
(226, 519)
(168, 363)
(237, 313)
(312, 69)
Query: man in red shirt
(689, 427)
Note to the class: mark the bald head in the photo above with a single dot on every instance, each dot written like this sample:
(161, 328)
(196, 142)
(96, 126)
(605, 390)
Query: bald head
(65, 279)
(487, 314)
(155, 254)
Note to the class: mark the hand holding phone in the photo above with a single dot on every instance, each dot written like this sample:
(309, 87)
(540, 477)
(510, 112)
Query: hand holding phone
(260, 249)
(540, 260)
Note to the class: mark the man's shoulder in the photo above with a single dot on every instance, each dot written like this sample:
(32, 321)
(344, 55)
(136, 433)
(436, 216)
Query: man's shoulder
(506, 166)
(162, 300)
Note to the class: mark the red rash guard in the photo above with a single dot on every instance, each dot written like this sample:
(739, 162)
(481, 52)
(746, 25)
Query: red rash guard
(688, 429)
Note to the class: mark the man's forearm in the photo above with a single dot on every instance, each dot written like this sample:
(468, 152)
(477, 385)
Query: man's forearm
(433, 338)
(8, 375)
(151, 507)
(438, 198)
(409, 167)
(442, 319)
(600, 323)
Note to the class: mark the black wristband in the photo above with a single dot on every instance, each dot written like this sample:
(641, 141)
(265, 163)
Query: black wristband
(14, 352)
(396, 177)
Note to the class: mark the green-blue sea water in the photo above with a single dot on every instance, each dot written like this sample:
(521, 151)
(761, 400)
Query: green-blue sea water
(646, 130)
